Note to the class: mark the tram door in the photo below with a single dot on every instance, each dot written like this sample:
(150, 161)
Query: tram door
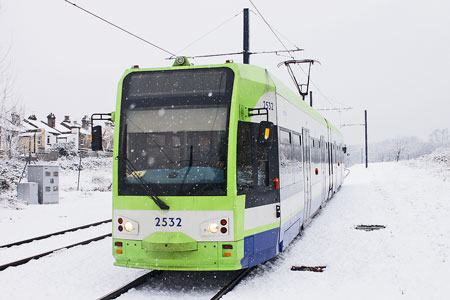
(330, 170)
(334, 167)
(323, 168)
(307, 174)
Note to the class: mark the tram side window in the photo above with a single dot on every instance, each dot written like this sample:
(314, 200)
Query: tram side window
(286, 159)
(252, 160)
(297, 157)
(244, 157)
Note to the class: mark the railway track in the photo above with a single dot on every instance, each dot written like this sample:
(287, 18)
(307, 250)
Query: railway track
(141, 280)
(28, 257)
(53, 234)
(234, 282)
(25, 260)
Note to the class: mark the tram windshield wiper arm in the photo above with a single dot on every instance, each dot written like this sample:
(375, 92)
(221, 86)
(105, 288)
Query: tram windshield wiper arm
(189, 167)
(148, 191)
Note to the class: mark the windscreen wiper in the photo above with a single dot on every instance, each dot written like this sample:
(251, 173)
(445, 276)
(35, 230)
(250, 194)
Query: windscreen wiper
(188, 169)
(149, 192)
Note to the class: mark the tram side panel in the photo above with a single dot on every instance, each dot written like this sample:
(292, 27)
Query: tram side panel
(301, 189)
(257, 174)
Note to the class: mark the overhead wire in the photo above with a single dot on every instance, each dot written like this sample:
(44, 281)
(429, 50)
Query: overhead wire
(276, 30)
(209, 32)
(120, 28)
(291, 55)
(270, 27)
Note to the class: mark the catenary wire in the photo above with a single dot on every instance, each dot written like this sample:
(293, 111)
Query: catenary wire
(120, 28)
(276, 30)
(270, 27)
(291, 55)
(211, 31)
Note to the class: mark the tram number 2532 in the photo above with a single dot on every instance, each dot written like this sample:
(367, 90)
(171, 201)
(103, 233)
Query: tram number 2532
(268, 105)
(168, 222)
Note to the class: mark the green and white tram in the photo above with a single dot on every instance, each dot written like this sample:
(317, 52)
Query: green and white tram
(216, 167)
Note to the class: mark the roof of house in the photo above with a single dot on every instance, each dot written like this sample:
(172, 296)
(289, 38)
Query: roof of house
(64, 135)
(70, 125)
(27, 134)
(59, 127)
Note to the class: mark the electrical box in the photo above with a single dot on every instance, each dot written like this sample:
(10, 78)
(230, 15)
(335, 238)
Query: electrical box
(28, 192)
(47, 178)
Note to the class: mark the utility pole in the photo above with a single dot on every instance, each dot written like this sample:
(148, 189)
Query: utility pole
(365, 135)
(365, 138)
(246, 37)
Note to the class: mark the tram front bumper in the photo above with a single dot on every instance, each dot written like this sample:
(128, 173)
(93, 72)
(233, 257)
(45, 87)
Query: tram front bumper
(180, 254)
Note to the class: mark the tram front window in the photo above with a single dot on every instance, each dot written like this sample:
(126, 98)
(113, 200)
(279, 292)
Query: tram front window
(179, 148)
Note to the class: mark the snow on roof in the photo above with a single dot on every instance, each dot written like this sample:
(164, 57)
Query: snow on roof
(70, 124)
(61, 128)
(50, 129)
(28, 127)
(33, 123)
(27, 134)
(10, 126)
(65, 135)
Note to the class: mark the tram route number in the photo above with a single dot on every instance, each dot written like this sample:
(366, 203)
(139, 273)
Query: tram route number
(268, 105)
(168, 222)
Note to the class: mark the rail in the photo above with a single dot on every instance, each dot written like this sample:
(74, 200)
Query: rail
(25, 260)
(53, 234)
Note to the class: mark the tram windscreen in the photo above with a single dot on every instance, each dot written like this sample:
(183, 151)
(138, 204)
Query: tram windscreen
(174, 132)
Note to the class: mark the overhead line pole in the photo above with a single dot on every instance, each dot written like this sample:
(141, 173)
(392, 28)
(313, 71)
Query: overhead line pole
(246, 37)
(365, 136)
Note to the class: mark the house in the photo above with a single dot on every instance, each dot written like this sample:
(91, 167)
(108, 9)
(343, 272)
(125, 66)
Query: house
(39, 136)
(81, 133)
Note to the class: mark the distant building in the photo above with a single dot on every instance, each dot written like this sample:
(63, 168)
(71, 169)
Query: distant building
(39, 136)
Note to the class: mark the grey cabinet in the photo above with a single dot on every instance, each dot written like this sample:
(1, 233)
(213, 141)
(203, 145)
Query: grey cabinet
(47, 178)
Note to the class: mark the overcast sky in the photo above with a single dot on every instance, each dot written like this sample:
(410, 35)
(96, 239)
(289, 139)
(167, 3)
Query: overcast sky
(391, 57)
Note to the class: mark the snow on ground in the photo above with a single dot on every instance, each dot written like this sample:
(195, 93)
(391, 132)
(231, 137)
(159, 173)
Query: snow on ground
(409, 259)
(83, 272)
(436, 164)
(76, 208)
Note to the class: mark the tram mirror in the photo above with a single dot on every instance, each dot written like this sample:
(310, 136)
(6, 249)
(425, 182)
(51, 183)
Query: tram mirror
(344, 149)
(96, 138)
(265, 136)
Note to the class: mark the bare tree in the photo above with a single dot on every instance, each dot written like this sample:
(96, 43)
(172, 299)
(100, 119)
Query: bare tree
(440, 138)
(400, 146)
(108, 136)
(10, 113)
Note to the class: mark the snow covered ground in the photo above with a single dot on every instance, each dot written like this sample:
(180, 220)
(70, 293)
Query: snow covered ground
(409, 259)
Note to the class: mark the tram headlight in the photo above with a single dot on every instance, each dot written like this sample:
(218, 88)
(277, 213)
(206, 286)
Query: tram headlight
(128, 226)
(213, 228)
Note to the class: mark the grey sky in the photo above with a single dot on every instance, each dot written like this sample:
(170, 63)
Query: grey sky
(389, 57)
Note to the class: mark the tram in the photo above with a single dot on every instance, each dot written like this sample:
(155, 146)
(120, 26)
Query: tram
(216, 167)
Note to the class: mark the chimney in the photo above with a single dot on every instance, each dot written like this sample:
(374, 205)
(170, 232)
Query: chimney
(85, 122)
(67, 119)
(51, 120)
(32, 117)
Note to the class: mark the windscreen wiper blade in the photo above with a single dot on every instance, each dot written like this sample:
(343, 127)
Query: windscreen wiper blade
(188, 169)
(149, 192)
